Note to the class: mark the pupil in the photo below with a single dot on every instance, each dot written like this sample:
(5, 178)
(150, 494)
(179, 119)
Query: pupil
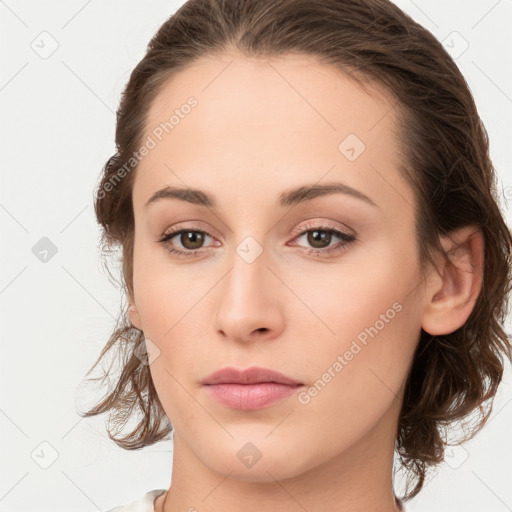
(192, 237)
(319, 236)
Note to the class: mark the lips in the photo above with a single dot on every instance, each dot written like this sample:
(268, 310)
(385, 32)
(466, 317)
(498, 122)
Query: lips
(251, 389)
(253, 375)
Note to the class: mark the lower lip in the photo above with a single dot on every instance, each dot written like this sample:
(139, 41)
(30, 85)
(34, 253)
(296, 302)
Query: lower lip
(249, 397)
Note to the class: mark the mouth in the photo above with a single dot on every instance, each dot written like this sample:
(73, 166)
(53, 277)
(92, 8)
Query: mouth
(253, 375)
(251, 389)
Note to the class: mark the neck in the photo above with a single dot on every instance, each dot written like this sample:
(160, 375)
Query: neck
(357, 480)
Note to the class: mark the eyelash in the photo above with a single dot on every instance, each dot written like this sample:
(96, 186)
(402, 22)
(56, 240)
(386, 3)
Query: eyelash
(340, 247)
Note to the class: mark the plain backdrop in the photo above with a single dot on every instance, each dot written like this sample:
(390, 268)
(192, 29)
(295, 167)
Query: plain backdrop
(63, 67)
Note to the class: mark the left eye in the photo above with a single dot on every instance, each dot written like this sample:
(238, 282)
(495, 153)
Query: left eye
(321, 238)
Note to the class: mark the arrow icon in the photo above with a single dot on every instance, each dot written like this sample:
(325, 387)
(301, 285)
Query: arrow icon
(249, 249)
(351, 147)
(44, 455)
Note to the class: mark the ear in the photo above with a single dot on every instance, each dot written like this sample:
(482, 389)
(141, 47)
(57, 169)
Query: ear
(134, 316)
(453, 288)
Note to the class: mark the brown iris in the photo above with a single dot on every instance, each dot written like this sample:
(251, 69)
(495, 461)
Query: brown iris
(195, 238)
(318, 236)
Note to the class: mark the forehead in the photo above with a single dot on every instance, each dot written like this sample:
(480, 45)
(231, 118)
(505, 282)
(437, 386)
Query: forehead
(271, 91)
(265, 122)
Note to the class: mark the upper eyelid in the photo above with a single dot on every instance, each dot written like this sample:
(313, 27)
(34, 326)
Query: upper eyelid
(322, 225)
(193, 227)
(311, 225)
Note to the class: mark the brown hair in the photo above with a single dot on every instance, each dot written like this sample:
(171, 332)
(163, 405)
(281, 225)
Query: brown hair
(446, 161)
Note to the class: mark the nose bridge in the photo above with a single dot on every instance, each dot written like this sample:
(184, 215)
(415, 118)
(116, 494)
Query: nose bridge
(248, 301)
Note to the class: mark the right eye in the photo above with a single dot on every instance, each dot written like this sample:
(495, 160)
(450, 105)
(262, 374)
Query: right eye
(191, 241)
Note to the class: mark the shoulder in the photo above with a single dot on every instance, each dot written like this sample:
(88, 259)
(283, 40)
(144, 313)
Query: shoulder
(145, 504)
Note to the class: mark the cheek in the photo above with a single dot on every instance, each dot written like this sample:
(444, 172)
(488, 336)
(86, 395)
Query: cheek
(171, 305)
(359, 377)
(360, 381)
(367, 323)
(346, 300)
(164, 293)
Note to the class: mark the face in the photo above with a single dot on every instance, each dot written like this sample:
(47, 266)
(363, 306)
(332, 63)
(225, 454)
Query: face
(298, 255)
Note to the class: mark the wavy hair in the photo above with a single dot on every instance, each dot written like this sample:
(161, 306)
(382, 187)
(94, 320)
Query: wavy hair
(445, 159)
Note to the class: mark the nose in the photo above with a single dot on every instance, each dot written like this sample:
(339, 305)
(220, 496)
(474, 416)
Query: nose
(249, 304)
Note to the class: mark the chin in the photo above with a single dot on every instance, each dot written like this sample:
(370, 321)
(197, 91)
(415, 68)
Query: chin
(261, 472)
(259, 461)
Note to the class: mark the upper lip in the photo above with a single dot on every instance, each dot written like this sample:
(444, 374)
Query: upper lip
(253, 375)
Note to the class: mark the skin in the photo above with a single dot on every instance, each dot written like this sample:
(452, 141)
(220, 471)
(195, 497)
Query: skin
(262, 127)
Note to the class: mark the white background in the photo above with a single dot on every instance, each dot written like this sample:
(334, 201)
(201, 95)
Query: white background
(57, 130)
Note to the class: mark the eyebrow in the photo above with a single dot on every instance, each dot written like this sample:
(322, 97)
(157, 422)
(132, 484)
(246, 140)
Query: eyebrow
(287, 198)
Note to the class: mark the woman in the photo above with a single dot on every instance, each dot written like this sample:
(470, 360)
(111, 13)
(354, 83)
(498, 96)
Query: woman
(315, 263)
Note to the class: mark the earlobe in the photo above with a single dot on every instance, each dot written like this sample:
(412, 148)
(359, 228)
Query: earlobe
(134, 316)
(453, 289)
